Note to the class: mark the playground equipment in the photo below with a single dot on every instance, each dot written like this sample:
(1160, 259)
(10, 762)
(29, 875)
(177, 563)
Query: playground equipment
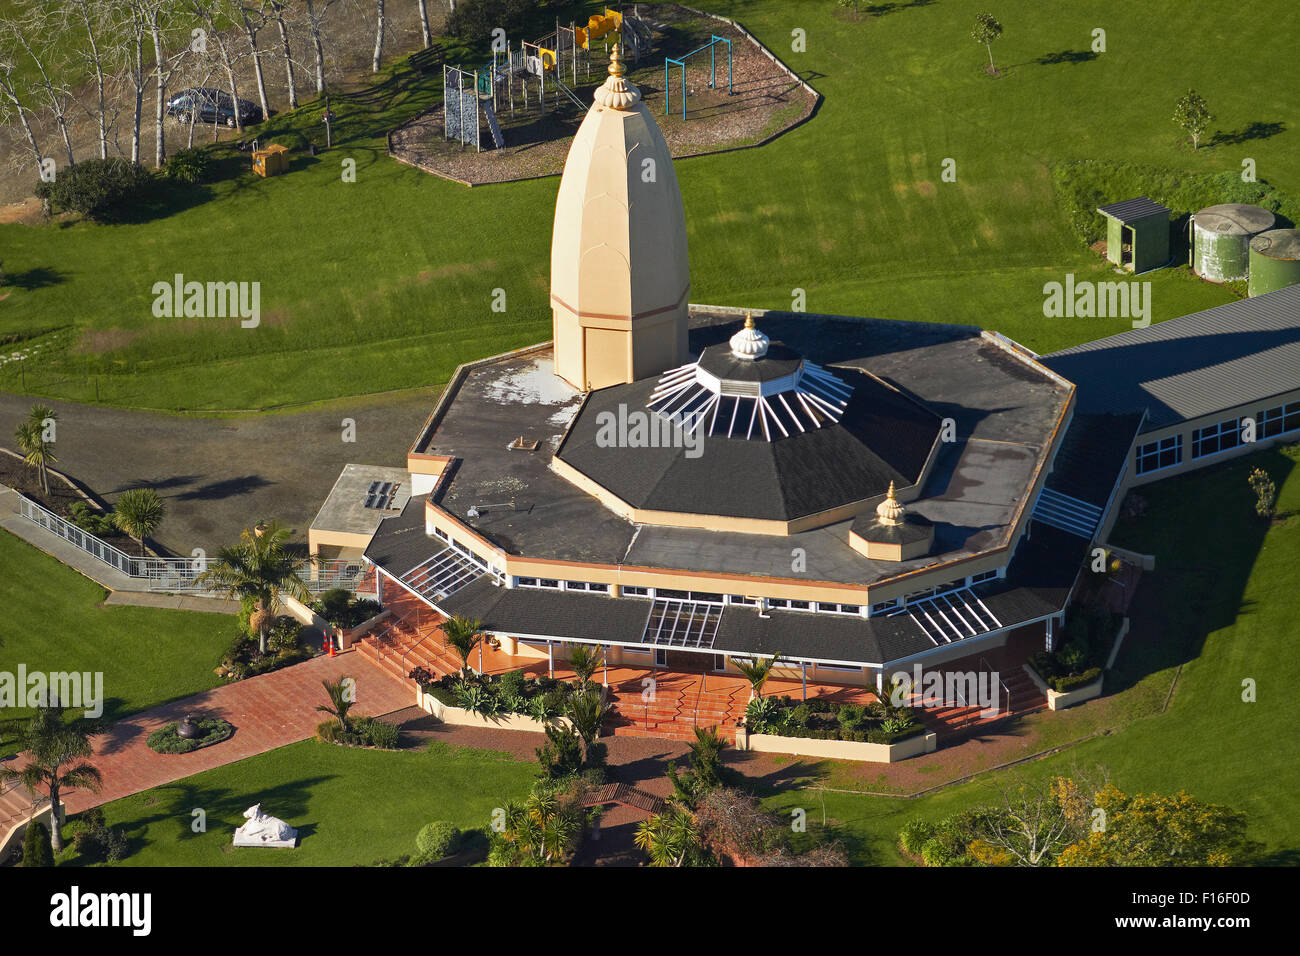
(712, 47)
(542, 66)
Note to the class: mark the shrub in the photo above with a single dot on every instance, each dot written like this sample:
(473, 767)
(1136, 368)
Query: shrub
(472, 19)
(512, 683)
(36, 846)
(763, 715)
(97, 841)
(188, 165)
(378, 733)
(285, 634)
(166, 740)
(338, 607)
(798, 716)
(96, 188)
(1065, 684)
(437, 840)
(88, 519)
(1072, 655)
(914, 835)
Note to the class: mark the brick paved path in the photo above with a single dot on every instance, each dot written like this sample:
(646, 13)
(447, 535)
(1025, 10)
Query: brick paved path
(268, 712)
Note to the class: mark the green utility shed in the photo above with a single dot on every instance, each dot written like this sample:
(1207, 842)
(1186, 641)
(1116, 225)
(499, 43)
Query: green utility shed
(1143, 225)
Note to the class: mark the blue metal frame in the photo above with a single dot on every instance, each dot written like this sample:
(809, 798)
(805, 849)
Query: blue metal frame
(711, 46)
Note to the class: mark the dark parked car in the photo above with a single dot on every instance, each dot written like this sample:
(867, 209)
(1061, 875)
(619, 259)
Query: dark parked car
(209, 105)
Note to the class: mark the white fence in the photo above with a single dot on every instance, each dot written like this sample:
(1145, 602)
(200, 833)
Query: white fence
(173, 574)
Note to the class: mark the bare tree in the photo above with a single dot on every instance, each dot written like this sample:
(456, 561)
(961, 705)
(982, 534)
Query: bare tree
(154, 13)
(252, 24)
(425, 36)
(13, 101)
(208, 11)
(131, 53)
(317, 10)
(98, 21)
(377, 59)
(39, 31)
(277, 14)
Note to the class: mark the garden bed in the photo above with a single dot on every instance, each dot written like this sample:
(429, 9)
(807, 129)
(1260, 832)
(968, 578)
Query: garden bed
(512, 700)
(767, 101)
(64, 500)
(211, 730)
(874, 723)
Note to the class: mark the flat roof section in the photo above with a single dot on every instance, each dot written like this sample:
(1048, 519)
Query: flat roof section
(345, 507)
(1005, 409)
(1185, 368)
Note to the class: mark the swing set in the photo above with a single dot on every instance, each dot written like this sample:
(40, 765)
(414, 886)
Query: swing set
(712, 47)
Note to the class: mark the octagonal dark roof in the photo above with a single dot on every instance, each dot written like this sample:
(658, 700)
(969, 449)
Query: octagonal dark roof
(883, 436)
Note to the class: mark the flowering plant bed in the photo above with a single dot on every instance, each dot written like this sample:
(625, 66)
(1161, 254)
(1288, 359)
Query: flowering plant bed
(167, 740)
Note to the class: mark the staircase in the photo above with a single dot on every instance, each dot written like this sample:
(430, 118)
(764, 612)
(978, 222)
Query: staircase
(681, 703)
(953, 723)
(16, 805)
(397, 647)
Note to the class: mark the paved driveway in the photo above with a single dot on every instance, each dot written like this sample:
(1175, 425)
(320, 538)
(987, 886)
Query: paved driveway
(219, 476)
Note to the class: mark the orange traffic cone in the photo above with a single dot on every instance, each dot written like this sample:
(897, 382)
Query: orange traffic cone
(329, 640)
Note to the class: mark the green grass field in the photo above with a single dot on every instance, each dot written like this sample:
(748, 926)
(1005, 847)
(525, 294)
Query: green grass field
(388, 282)
(54, 621)
(1225, 593)
(351, 807)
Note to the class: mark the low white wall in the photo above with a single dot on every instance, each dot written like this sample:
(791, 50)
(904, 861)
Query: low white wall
(459, 717)
(1059, 701)
(14, 838)
(837, 749)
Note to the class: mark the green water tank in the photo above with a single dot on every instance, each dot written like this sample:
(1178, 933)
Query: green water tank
(1221, 240)
(1274, 260)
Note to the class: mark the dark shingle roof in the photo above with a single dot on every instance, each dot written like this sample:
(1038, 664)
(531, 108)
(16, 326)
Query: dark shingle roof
(883, 436)
(1185, 368)
(1131, 210)
(401, 543)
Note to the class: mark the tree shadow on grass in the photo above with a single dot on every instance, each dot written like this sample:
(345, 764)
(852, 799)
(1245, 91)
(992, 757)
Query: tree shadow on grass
(884, 9)
(1256, 130)
(33, 279)
(1067, 56)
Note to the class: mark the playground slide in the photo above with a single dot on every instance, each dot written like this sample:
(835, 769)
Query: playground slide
(497, 139)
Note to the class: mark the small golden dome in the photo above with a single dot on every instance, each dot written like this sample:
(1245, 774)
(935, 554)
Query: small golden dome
(891, 510)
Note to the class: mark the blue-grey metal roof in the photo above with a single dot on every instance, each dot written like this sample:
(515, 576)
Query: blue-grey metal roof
(1192, 366)
(1131, 210)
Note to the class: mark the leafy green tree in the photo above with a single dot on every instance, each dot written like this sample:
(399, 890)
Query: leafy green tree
(341, 701)
(1192, 113)
(57, 752)
(259, 567)
(1158, 830)
(985, 31)
(705, 771)
(543, 830)
(587, 712)
(561, 755)
(671, 838)
(138, 512)
(1265, 493)
(463, 634)
(584, 660)
(756, 671)
(36, 845)
(35, 438)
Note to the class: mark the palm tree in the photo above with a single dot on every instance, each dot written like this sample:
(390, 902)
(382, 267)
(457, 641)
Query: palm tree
(584, 661)
(57, 752)
(261, 568)
(544, 828)
(138, 513)
(463, 633)
(340, 694)
(37, 449)
(757, 670)
(587, 712)
(669, 838)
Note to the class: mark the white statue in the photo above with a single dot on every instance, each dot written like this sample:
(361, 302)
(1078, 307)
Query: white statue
(265, 830)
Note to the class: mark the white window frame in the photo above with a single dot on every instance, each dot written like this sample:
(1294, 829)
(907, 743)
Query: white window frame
(1216, 434)
(1175, 444)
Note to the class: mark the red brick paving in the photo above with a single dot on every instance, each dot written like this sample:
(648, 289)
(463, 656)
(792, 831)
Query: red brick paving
(269, 711)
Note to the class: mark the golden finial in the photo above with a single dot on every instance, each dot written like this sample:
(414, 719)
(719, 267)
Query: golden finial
(749, 320)
(892, 496)
(616, 67)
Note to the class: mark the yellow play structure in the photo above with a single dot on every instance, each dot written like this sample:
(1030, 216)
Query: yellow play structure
(597, 26)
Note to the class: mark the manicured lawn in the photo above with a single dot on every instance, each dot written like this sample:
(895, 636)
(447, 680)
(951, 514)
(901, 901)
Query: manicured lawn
(388, 281)
(349, 806)
(1223, 603)
(53, 621)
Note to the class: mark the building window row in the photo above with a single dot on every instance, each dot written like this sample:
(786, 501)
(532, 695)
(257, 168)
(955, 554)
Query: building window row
(1279, 420)
(1215, 438)
(1163, 453)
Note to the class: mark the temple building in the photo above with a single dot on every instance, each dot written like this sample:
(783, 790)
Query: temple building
(684, 485)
